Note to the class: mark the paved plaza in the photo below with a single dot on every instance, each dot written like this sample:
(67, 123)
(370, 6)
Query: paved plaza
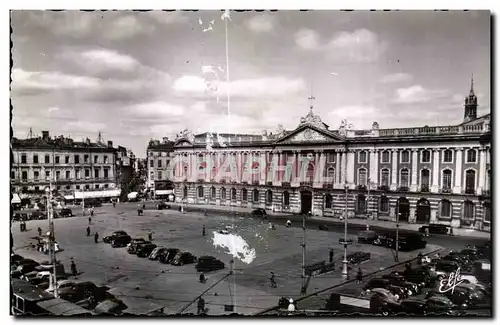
(139, 281)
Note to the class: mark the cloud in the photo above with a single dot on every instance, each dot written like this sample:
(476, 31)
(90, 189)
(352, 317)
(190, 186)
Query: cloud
(396, 77)
(260, 23)
(155, 109)
(418, 94)
(84, 126)
(246, 88)
(53, 109)
(127, 27)
(22, 79)
(165, 17)
(108, 59)
(307, 39)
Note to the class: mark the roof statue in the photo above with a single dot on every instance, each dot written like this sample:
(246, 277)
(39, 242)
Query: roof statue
(312, 119)
(186, 134)
(344, 127)
(280, 131)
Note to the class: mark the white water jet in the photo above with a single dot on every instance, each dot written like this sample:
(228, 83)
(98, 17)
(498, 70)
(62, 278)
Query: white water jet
(236, 246)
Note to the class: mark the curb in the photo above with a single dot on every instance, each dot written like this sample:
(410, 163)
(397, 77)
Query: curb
(346, 282)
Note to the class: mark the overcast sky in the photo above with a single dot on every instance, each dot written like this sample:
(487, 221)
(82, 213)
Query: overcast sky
(135, 76)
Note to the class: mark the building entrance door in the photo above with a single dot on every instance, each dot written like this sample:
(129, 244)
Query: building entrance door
(423, 211)
(305, 202)
(403, 209)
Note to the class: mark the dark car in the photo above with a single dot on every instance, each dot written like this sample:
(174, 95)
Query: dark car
(400, 281)
(168, 255)
(420, 277)
(65, 213)
(145, 249)
(367, 236)
(22, 269)
(183, 258)
(156, 253)
(14, 258)
(434, 229)
(458, 296)
(377, 283)
(121, 241)
(358, 257)
(259, 212)
(132, 246)
(208, 263)
(38, 215)
(381, 239)
(472, 254)
(162, 206)
(109, 239)
(399, 292)
(413, 307)
(93, 203)
(462, 260)
(441, 306)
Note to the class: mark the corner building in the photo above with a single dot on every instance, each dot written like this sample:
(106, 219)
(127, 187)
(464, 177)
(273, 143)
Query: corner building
(429, 174)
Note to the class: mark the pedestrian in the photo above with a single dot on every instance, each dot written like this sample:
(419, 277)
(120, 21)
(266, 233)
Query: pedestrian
(420, 258)
(408, 267)
(180, 208)
(150, 236)
(73, 268)
(288, 223)
(144, 207)
(96, 237)
(291, 305)
(92, 211)
(451, 231)
(139, 210)
(206, 213)
(39, 232)
(331, 255)
(88, 231)
(204, 232)
(21, 226)
(202, 278)
(359, 276)
(114, 204)
(90, 220)
(272, 278)
(201, 306)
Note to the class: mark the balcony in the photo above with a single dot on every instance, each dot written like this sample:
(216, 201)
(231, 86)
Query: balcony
(286, 184)
(470, 190)
(446, 189)
(200, 180)
(403, 189)
(244, 182)
(384, 188)
(328, 185)
(223, 181)
(361, 187)
(255, 182)
(424, 189)
(306, 184)
(269, 183)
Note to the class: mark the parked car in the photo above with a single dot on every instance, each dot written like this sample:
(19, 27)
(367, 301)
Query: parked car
(458, 296)
(463, 261)
(168, 255)
(162, 206)
(21, 270)
(440, 305)
(132, 246)
(14, 258)
(93, 203)
(208, 263)
(400, 281)
(155, 254)
(145, 249)
(108, 239)
(38, 215)
(472, 254)
(367, 237)
(420, 277)
(64, 213)
(376, 283)
(259, 212)
(62, 284)
(434, 229)
(121, 241)
(398, 292)
(413, 306)
(358, 257)
(183, 258)
(382, 301)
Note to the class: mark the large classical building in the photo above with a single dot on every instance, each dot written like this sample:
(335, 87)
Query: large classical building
(74, 169)
(437, 174)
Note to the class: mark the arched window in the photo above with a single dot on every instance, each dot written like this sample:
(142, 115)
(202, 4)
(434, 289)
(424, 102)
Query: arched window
(233, 194)
(425, 180)
(446, 180)
(328, 202)
(446, 209)
(185, 171)
(331, 175)
(426, 156)
(244, 195)
(222, 193)
(386, 156)
(405, 156)
(384, 204)
(213, 193)
(185, 192)
(362, 157)
(200, 191)
(384, 177)
(255, 195)
(269, 197)
(362, 176)
(470, 181)
(361, 204)
(404, 180)
(286, 198)
(310, 172)
(469, 211)
(471, 156)
(487, 212)
(448, 156)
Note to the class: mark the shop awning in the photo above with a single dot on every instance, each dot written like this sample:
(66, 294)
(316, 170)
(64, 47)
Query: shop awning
(15, 199)
(97, 194)
(132, 195)
(164, 192)
(69, 197)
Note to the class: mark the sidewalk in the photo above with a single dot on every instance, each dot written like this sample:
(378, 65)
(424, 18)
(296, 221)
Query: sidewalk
(360, 222)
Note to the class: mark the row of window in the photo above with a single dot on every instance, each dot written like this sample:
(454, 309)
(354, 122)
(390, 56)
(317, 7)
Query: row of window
(159, 164)
(57, 159)
(255, 198)
(36, 174)
(59, 188)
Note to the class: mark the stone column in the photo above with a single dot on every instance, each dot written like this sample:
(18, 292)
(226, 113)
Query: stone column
(337, 170)
(394, 176)
(343, 166)
(262, 167)
(457, 189)
(208, 168)
(218, 170)
(278, 168)
(320, 169)
(295, 173)
(482, 171)
(350, 169)
(435, 171)
(373, 167)
(414, 170)
(194, 166)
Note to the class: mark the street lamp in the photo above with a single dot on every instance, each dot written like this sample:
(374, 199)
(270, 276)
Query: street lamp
(344, 262)
(397, 236)
(51, 238)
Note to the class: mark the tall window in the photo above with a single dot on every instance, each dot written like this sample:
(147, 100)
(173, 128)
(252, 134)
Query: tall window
(425, 177)
(24, 161)
(87, 173)
(384, 177)
(77, 159)
(36, 174)
(469, 211)
(487, 212)
(58, 174)
(159, 163)
(384, 204)
(106, 173)
(244, 195)
(362, 177)
(269, 197)
(68, 174)
(405, 156)
(151, 163)
(470, 181)
(255, 195)
(86, 159)
(35, 159)
(471, 156)
(362, 157)
(330, 157)
(361, 204)
(47, 175)
(200, 191)
(96, 159)
(404, 180)
(310, 173)
(66, 159)
(386, 156)
(328, 202)
(105, 159)
(212, 193)
(446, 179)
(445, 209)
(159, 175)
(233, 194)
(426, 156)
(47, 159)
(331, 175)
(286, 198)
(185, 192)
(223, 193)
(58, 159)
(448, 156)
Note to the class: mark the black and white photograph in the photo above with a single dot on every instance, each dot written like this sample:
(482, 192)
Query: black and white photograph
(208, 163)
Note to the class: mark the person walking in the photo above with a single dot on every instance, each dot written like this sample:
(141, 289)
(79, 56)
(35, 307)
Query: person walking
(96, 237)
(202, 278)
(92, 211)
(272, 278)
(331, 255)
(359, 276)
(201, 306)
(90, 220)
(39, 232)
(73, 268)
(150, 236)
(139, 210)
(419, 258)
(88, 231)
(114, 204)
(204, 231)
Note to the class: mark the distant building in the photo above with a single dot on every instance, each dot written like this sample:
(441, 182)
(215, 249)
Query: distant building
(125, 168)
(427, 174)
(72, 167)
(159, 160)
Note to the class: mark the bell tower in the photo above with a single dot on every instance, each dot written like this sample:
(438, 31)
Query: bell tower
(470, 111)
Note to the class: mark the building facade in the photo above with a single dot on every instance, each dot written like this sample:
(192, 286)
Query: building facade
(159, 162)
(71, 167)
(430, 174)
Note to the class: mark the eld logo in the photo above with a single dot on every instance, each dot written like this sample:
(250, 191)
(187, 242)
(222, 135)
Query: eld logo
(449, 284)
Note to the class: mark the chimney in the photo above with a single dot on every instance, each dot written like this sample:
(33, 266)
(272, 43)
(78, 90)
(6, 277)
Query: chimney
(165, 140)
(110, 144)
(45, 135)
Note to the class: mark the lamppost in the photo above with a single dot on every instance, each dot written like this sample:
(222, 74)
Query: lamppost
(345, 242)
(397, 236)
(51, 238)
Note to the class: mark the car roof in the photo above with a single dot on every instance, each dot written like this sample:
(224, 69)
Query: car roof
(207, 257)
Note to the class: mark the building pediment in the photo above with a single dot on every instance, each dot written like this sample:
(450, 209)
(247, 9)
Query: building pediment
(308, 134)
(182, 143)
